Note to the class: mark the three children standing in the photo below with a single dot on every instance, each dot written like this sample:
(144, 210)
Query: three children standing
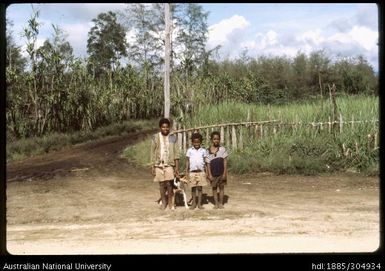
(201, 165)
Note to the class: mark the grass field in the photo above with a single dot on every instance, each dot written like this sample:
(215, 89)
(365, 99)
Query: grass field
(302, 150)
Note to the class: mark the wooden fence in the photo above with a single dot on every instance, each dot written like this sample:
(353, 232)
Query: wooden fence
(232, 134)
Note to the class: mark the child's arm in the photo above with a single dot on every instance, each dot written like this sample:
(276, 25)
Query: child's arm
(207, 165)
(224, 177)
(208, 171)
(152, 156)
(176, 158)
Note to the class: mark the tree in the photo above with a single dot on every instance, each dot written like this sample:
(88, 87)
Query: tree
(318, 63)
(167, 62)
(14, 60)
(15, 66)
(190, 50)
(191, 38)
(106, 43)
(147, 23)
(300, 75)
(53, 60)
(31, 32)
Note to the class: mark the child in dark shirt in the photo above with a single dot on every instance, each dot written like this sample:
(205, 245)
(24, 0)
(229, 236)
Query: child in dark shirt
(217, 168)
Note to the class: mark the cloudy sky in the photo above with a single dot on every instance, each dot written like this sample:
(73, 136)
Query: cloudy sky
(341, 30)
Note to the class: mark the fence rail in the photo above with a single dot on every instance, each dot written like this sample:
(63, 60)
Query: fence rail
(232, 134)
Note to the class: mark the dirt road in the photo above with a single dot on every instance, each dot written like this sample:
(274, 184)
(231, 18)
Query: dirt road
(89, 200)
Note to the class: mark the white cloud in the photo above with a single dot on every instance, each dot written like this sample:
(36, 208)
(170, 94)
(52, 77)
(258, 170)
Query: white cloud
(130, 36)
(39, 42)
(268, 43)
(367, 15)
(261, 41)
(347, 36)
(77, 36)
(312, 37)
(341, 25)
(366, 37)
(221, 32)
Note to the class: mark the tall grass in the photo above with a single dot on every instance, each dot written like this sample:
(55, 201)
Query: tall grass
(305, 149)
(361, 107)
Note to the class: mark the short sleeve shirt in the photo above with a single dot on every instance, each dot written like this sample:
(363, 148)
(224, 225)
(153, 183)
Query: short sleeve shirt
(196, 158)
(216, 161)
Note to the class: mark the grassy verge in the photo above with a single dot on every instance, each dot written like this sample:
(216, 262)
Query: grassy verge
(23, 148)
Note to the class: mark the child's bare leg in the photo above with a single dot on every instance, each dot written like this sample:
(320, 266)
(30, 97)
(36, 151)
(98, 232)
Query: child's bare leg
(199, 188)
(221, 195)
(170, 194)
(194, 202)
(215, 196)
(162, 190)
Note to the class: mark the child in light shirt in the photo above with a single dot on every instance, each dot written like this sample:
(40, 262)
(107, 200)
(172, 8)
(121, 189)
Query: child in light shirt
(196, 169)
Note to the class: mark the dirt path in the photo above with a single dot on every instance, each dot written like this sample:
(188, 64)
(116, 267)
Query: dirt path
(88, 200)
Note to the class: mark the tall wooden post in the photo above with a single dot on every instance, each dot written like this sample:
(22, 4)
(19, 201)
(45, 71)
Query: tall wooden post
(167, 62)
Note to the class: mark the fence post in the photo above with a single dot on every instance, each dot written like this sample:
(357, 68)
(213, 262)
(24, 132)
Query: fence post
(189, 134)
(341, 123)
(261, 128)
(369, 142)
(184, 139)
(375, 140)
(233, 138)
(330, 127)
(228, 133)
(179, 136)
(207, 137)
(241, 137)
(352, 123)
(222, 135)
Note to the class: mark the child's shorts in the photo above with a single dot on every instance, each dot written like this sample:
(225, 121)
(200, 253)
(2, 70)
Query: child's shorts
(216, 181)
(197, 179)
(163, 174)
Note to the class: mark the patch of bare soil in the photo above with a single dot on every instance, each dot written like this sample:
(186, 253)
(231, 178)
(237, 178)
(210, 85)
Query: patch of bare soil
(89, 200)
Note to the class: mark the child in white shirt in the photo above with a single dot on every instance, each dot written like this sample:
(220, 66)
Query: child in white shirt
(196, 169)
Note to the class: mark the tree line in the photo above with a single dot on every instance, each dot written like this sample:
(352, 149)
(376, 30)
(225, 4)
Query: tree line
(51, 90)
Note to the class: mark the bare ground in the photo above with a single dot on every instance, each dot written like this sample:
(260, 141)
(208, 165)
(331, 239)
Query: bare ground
(88, 200)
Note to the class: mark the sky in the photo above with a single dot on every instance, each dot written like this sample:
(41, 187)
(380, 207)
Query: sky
(341, 30)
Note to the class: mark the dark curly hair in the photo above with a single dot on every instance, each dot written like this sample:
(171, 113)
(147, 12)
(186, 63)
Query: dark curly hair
(164, 120)
(196, 135)
(215, 133)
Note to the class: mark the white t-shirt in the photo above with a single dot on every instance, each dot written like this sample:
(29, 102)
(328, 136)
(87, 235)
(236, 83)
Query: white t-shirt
(196, 158)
